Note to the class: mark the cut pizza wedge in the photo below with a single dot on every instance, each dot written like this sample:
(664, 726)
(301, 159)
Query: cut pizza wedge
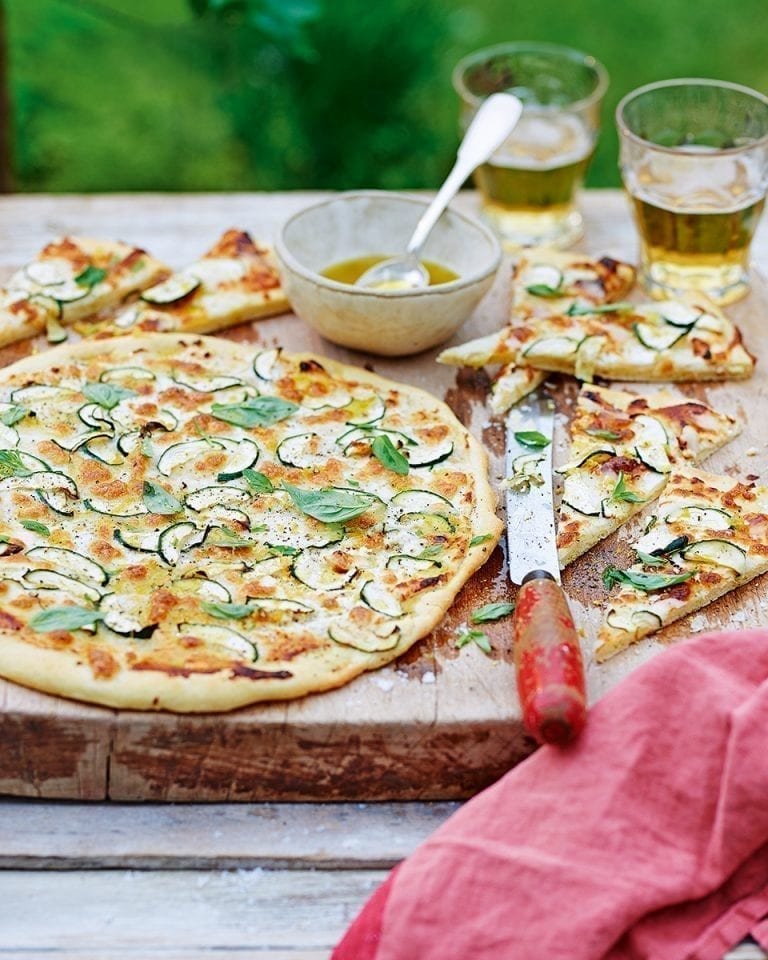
(623, 448)
(670, 340)
(709, 535)
(235, 281)
(69, 280)
(545, 282)
(549, 281)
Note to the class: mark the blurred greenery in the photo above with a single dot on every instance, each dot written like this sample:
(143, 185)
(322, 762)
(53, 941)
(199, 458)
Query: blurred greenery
(301, 94)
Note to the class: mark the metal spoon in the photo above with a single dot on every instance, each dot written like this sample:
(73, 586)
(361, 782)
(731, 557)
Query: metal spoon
(491, 125)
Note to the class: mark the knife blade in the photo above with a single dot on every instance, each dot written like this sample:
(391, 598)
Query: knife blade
(548, 661)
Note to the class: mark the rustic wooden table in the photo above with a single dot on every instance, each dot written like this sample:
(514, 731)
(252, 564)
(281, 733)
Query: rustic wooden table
(270, 881)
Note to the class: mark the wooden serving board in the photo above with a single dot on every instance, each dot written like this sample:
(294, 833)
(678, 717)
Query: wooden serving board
(438, 724)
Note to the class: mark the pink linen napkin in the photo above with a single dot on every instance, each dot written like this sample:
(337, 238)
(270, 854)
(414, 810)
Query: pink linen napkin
(645, 840)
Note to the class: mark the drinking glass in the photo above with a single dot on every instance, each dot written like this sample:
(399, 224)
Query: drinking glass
(694, 161)
(528, 188)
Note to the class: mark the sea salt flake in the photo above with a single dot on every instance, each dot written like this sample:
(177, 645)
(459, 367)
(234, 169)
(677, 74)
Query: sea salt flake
(428, 677)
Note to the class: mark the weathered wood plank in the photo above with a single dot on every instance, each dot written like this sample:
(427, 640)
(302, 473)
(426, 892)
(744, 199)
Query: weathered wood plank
(47, 835)
(148, 914)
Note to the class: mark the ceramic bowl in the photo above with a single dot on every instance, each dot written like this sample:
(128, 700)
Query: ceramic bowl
(386, 322)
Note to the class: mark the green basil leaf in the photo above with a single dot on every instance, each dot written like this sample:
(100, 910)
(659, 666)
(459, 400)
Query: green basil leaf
(90, 276)
(622, 493)
(544, 290)
(63, 618)
(474, 636)
(647, 582)
(11, 465)
(258, 482)
(649, 559)
(330, 505)
(577, 311)
(107, 395)
(228, 611)
(603, 434)
(281, 551)
(532, 439)
(481, 538)
(387, 453)
(492, 611)
(13, 414)
(36, 527)
(256, 412)
(158, 500)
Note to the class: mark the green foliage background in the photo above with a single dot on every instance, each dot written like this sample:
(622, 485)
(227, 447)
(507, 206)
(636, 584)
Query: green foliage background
(301, 94)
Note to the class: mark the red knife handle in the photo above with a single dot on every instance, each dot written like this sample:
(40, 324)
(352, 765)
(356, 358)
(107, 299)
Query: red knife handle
(549, 667)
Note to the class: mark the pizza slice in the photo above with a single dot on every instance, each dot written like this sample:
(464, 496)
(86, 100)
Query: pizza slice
(70, 279)
(545, 282)
(709, 535)
(623, 448)
(548, 281)
(670, 340)
(235, 281)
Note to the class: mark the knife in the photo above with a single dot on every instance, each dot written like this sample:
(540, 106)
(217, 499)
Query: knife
(548, 661)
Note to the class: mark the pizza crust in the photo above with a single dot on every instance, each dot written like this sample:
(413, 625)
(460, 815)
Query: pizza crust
(27, 658)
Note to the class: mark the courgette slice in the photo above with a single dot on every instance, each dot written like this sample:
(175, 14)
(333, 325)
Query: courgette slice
(74, 444)
(128, 442)
(373, 640)
(37, 393)
(242, 454)
(94, 415)
(420, 501)
(109, 510)
(378, 598)
(556, 348)
(224, 637)
(700, 515)
(172, 290)
(180, 454)
(428, 524)
(658, 337)
(104, 450)
(587, 357)
(203, 384)
(403, 565)
(121, 374)
(543, 276)
(44, 480)
(319, 568)
(9, 437)
(68, 292)
(177, 539)
(127, 417)
(49, 273)
(586, 492)
(206, 589)
(721, 553)
(71, 563)
(40, 579)
(126, 614)
(217, 496)
(265, 363)
(282, 606)
(333, 400)
(651, 443)
(366, 410)
(58, 500)
(638, 623)
(678, 314)
(54, 332)
(428, 456)
(598, 454)
(304, 450)
(145, 541)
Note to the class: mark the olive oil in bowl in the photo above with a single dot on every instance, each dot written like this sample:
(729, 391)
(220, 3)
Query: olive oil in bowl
(350, 271)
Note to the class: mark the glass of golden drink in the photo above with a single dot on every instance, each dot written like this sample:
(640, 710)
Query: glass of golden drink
(528, 188)
(694, 161)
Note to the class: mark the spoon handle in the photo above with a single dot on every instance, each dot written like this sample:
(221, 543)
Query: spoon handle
(490, 127)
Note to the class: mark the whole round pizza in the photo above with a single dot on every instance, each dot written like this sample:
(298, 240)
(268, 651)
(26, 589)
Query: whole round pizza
(187, 525)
